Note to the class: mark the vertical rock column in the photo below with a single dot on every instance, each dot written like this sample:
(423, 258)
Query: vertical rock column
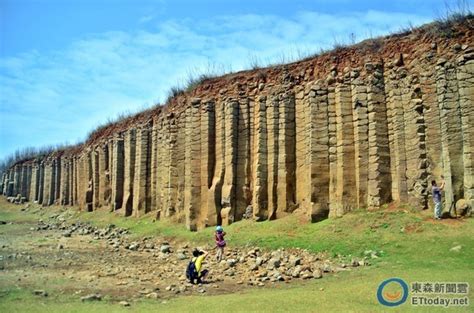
(302, 147)
(361, 140)
(141, 186)
(465, 77)
(154, 163)
(286, 154)
(48, 183)
(272, 156)
(215, 191)
(260, 195)
(318, 154)
(34, 182)
(242, 179)
(345, 196)
(95, 156)
(379, 188)
(102, 162)
(57, 179)
(451, 133)
(24, 181)
(129, 171)
(40, 181)
(415, 140)
(177, 193)
(160, 170)
(397, 139)
(208, 158)
(17, 180)
(432, 121)
(64, 186)
(192, 175)
(118, 171)
(170, 181)
(332, 135)
(230, 160)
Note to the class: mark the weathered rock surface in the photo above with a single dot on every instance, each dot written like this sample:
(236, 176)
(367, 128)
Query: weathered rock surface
(359, 127)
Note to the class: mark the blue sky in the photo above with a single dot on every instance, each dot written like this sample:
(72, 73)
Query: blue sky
(67, 66)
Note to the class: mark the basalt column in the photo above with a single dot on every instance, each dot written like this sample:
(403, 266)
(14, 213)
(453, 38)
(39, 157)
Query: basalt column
(260, 195)
(177, 195)
(57, 179)
(332, 134)
(318, 153)
(192, 175)
(48, 184)
(272, 158)
(96, 178)
(230, 160)
(379, 188)
(64, 186)
(215, 191)
(129, 171)
(361, 139)
(34, 182)
(170, 159)
(154, 164)
(415, 142)
(118, 172)
(286, 154)
(465, 77)
(208, 156)
(242, 178)
(141, 184)
(16, 180)
(345, 196)
(396, 118)
(302, 185)
(40, 181)
(451, 133)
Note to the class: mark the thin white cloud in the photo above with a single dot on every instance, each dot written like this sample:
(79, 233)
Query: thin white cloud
(53, 97)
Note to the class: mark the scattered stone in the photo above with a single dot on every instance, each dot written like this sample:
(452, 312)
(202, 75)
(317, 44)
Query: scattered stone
(41, 293)
(181, 256)
(456, 248)
(231, 262)
(274, 263)
(165, 248)
(327, 268)
(133, 246)
(317, 274)
(294, 260)
(91, 297)
(152, 295)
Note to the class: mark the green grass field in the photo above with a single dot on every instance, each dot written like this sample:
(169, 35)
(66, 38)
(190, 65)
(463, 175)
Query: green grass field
(412, 246)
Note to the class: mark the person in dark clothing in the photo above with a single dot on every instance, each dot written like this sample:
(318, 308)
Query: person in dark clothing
(436, 191)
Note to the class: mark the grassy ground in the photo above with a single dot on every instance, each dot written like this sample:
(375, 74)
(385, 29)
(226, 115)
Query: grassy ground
(412, 246)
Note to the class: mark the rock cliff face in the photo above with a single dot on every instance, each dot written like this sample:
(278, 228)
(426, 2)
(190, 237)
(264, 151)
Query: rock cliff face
(355, 128)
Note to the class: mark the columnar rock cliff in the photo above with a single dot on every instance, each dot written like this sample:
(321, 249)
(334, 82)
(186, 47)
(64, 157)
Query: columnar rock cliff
(359, 127)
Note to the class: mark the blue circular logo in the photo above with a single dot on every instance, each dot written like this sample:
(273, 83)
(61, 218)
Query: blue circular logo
(393, 298)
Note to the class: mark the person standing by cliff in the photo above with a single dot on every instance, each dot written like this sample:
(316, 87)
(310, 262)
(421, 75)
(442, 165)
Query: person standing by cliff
(436, 191)
(220, 242)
